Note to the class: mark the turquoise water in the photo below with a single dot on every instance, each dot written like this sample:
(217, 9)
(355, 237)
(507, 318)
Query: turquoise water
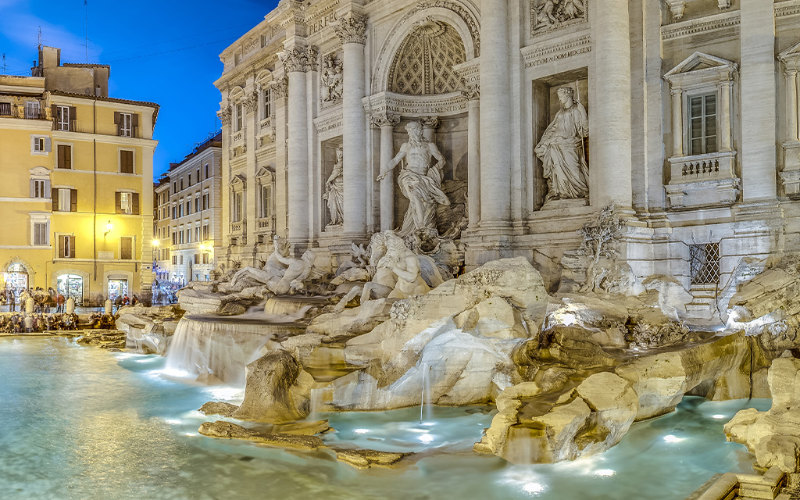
(82, 423)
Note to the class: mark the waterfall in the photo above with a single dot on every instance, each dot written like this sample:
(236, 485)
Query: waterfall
(217, 350)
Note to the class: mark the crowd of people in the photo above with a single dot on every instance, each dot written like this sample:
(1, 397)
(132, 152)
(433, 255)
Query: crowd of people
(27, 323)
(51, 311)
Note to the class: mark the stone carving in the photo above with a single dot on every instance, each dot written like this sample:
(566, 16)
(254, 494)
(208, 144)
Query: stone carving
(280, 89)
(251, 102)
(334, 191)
(471, 92)
(384, 120)
(352, 28)
(331, 79)
(225, 116)
(298, 59)
(396, 271)
(419, 182)
(598, 237)
(547, 15)
(562, 152)
(425, 60)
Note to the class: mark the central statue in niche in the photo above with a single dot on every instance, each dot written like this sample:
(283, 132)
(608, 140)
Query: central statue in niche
(419, 182)
(562, 152)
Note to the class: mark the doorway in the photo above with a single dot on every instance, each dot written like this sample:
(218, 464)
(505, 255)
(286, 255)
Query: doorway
(70, 285)
(117, 288)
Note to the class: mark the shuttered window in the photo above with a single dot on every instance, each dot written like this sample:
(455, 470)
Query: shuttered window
(66, 246)
(126, 162)
(64, 156)
(126, 248)
(5, 109)
(65, 200)
(32, 110)
(703, 124)
(40, 188)
(65, 118)
(127, 203)
(41, 235)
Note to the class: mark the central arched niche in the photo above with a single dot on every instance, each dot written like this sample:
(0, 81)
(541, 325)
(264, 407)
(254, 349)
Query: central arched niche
(423, 64)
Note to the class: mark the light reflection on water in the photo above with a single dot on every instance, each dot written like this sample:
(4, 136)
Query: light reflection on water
(83, 423)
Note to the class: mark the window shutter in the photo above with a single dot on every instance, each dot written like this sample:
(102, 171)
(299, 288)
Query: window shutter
(72, 118)
(117, 122)
(47, 145)
(118, 201)
(73, 201)
(54, 199)
(60, 156)
(62, 241)
(68, 157)
(72, 247)
(33, 144)
(33, 189)
(54, 114)
(134, 125)
(135, 204)
(46, 188)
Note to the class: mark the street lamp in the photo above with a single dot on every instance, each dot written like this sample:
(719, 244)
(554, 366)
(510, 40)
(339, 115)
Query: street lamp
(109, 227)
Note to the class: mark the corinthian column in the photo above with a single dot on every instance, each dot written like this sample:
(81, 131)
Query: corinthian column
(610, 116)
(495, 113)
(473, 154)
(295, 62)
(352, 32)
(386, 123)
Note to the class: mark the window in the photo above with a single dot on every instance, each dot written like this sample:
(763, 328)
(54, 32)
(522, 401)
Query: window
(40, 188)
(239, 117)
(174, 212)
(126, 248)
(181, 234)
(127, 203)
(64, 159)
(189, 181)
(66, 246)
(125, 124)
(237, 207)
(266, 104)
(126, 161)
(174, 260)
(197, 204)
(197, 233)
(65, 200)
(181, 184)
(32, 111)
(205, 260)
(196, 258)
(266, 201)
(5, 109)
(205, 201)
(174, 187)
(704, 263)
(206, 170)
(174, 238)
(188, 207)
(205, 232)
(198, 175)
(65, 118)
(181, 259)
(702, 124)
(41, 234)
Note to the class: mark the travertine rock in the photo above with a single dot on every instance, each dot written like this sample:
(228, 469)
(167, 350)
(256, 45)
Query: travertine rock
(277, 390)
(218, 408)
(773, 436)
(148, 329)
(228, 430)
(364, 459)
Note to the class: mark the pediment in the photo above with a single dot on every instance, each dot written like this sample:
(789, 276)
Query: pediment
(700, 61)
(238, 180)
(264, 172)
(790, 55)
(40, 172)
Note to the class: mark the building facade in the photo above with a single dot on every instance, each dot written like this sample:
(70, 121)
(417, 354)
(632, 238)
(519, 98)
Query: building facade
(189, 214)
(162, 230)
(77, 193)
(683, 114)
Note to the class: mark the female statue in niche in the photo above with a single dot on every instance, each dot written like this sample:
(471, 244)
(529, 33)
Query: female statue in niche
(561, 150)
(334, 190)
(420, 182)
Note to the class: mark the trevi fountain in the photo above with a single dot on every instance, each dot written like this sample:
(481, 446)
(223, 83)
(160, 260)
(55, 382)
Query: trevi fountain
(572, 273)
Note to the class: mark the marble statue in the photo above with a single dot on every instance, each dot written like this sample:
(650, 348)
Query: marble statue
(562, 152)
(551, 13)
(275, 267)
(419, 182)
(297, 272)
(396, 272)
(331, 79)
(334, 191)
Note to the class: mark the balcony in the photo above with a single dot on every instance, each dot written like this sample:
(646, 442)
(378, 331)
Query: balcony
(703, 180)
(238, 227)
(238, 138)
(264, 224)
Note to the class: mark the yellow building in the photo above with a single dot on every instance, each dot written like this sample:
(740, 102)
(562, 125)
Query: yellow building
(76, 197)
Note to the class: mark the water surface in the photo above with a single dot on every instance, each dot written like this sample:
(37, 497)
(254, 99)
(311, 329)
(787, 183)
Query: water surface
(83, 423)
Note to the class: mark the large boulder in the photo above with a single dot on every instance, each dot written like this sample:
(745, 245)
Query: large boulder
(531, 427)
(148, 329)
(277, 390)
(773, 436)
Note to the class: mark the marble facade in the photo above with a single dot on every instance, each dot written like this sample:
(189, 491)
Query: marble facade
(692, 128)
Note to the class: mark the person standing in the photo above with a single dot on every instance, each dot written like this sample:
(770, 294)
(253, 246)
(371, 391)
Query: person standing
(60, 300)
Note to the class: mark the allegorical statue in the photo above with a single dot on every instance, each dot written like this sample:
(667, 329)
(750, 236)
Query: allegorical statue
(331, 79)
(334, 191)
(420, 182)
(562, 152)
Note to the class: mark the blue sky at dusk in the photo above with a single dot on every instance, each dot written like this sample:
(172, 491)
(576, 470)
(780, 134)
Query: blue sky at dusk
(161, 51)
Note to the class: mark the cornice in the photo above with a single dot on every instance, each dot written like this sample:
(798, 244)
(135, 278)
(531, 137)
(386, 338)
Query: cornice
(705, 25)
(536, 55)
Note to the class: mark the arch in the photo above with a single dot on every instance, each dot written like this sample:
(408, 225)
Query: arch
(423, 65)
(454, 14)
(19, 263)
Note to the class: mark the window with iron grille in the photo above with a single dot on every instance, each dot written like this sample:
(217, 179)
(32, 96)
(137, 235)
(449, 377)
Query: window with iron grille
(704, 263)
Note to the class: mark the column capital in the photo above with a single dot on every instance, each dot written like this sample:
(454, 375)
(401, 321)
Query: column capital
(472, 92)
(298, 59)
(384, 120)
(280, 89)
(430, 121)
(352, 28)
(225, 114)
(251, 101)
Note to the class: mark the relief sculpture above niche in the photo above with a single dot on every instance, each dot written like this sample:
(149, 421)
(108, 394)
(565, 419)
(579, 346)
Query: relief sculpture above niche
(548, 15)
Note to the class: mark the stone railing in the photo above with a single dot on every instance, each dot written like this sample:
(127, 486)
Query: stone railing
(703, 167)
(238, 227)
(265, 125)
(264, 224)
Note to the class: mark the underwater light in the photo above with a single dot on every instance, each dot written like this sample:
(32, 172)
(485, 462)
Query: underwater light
(361, 431)
(426, 438)
(604, 472)
(172, 421)
(719, 416)
(669, 438)
(533, 488)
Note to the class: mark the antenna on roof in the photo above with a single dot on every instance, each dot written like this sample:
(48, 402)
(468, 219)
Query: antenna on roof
(86, 27)
(4, 63)
(40, 37)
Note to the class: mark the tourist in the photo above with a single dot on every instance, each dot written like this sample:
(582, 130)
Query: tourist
(135, 300)
(126, 301)
(60, 300)
(117, 302)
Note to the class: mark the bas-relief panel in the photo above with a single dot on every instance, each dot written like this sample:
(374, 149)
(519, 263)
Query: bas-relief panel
(550, 15)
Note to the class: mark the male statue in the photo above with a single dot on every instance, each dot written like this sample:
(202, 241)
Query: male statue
(419, 182)
(561, 150)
